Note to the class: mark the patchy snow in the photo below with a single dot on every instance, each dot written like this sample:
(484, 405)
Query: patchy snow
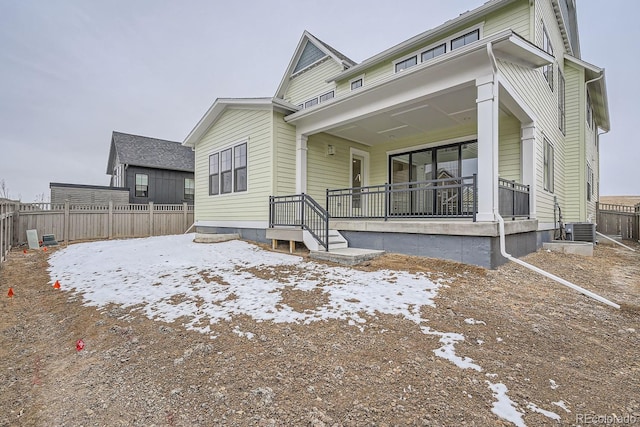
(170, 277)
(562, 405)
(166, 278)
(472, 321)
(548, 414)
(504, 407)
(553, 384)
(448, 351)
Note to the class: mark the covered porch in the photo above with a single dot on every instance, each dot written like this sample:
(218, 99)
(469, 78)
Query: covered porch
(439, 149)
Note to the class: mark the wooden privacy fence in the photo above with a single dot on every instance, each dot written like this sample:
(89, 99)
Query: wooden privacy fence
(6, 229)
(69, 222)
(619, 220)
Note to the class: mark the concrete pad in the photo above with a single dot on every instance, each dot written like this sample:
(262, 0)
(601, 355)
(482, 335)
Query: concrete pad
(569, 247)
(214, 238)
(346, 256)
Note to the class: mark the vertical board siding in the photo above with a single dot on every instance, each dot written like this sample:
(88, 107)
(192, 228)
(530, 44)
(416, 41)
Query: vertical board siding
(312, 82)
(88, 222)
(235, 126)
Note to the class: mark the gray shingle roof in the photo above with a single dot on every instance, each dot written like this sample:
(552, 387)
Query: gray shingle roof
(150, 152)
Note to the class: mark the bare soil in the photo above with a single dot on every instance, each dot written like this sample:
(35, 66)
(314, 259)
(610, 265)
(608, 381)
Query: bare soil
(545, 342)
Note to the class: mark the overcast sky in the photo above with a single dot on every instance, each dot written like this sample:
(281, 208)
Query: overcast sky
(73, 71)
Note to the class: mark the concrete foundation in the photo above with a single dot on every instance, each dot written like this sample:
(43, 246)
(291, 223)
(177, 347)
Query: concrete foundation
(252, 234)
(214, 238)
(569, 247)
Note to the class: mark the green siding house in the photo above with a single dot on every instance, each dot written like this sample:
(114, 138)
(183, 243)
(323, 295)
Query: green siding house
(421, 149)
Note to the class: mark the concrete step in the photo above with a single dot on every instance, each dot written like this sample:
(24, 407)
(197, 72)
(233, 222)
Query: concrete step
(346, 256)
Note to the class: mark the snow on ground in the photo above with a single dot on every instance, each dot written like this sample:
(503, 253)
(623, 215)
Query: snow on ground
(166, 278)
(171, 277)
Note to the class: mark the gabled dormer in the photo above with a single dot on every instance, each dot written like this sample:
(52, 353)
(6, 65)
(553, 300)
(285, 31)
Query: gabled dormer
(305, 81)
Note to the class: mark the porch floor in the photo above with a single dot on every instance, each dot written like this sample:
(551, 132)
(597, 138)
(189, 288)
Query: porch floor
(346, 256)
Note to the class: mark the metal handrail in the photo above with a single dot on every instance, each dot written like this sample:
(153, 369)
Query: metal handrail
(454, 197)
(300, 210)
(513, 199)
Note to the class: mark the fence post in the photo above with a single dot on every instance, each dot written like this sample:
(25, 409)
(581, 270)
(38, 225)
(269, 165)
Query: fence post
(16, 224)
(110, 220)
(65, 233)
(184, 215)
(150, 218)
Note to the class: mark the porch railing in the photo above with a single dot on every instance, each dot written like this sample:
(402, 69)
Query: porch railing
(300, 211)
(513, 199)
(438, 198)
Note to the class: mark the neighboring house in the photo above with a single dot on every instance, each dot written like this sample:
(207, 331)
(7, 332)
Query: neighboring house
(497, 101)
(154, 170)
(88, 194)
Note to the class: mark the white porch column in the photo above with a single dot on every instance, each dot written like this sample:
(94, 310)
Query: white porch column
(528, 150)
(301, 163)
(487, 103)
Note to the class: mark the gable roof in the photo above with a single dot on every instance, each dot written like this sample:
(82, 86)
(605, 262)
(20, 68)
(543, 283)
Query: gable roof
(148, 152)
(310, 51)
(221, 104)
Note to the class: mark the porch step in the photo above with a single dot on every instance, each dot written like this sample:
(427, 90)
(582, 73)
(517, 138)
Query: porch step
(346, 256)
(336, 241)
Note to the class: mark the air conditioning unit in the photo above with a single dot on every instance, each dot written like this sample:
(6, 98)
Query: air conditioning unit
(581, 231)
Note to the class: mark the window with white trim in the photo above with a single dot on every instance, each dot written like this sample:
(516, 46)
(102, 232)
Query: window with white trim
(589, 182)
(327, 96)
(407, 63)
(318, 99)
(228, 170)
(547, 71)
(561, 102)
(465, 39)
(548, 166)
(432, 53)
(189, 188)
(142, 185)
(357, 83)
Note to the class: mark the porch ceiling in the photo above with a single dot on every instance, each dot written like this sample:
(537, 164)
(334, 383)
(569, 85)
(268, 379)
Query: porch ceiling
(446, 110)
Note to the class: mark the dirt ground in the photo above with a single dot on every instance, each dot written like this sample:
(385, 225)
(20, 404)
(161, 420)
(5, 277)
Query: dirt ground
(544, 342)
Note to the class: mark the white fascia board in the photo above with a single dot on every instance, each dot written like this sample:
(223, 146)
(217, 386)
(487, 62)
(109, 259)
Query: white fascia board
(221, 104)
(583, 64)
(480, 45)
(421, 38)
(518, 50)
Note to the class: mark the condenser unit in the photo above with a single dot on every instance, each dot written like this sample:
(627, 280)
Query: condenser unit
(581, 231)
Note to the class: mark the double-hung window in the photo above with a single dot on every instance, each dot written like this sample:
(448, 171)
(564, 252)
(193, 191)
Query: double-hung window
(214, 174)
(547, 71)
(589, 182)
(225, 171)
(142, 185)
(189, 188)
(240, 167)
(548, 166)
(561, 102)
(228, 170)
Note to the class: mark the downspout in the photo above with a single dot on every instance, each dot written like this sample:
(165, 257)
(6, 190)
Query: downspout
(503, 252)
